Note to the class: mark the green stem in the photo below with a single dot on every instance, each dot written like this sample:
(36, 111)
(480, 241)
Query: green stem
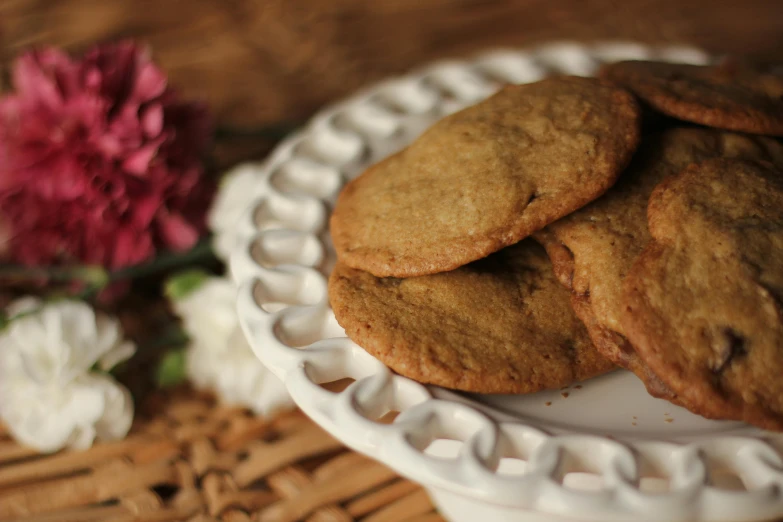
(97, 277)
(200, 253)
(50, 273)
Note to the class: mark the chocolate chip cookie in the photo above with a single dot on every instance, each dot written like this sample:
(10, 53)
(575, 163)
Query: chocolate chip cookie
(593, 248)
(702, 303)
(486, 177)
(727, 96)
(502, 324)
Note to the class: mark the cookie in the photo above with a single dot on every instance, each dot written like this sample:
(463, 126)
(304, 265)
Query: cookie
(702, 302)
(502, 324)
(593, 248)
(727, 96)
(486, 177)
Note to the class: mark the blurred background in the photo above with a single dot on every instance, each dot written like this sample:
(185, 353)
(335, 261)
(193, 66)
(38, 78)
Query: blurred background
(273, 62)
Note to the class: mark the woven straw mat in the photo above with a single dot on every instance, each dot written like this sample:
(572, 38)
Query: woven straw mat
(195, 461)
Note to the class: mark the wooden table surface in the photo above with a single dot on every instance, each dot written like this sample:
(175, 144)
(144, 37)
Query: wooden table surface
(264, 61)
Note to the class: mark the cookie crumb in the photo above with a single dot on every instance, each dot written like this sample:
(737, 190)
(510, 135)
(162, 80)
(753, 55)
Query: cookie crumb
(549, 403)
(564, 394)
(578, 386)
(669, 420)
(564, 388)
(633, 424)
(635, 417)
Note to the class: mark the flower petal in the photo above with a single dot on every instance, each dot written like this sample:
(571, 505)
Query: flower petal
(33, 73)
(138, 162)
(238, 188)
(49, 419)
(117, 415)
(79, 331)
(22, 305)
(108, 335)
(49, 398)
(145, 210)
(85, 142)
(150, 82)
(131, 247)
(116, 355)
(152, 120)
(219, 356)
(177, 232)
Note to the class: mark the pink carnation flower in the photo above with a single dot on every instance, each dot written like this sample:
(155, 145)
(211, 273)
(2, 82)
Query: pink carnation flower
(99, 160)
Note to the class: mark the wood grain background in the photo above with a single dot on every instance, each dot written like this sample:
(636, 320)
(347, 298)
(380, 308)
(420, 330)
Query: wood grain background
(263, 61)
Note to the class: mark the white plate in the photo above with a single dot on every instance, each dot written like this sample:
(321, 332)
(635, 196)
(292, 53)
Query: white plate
(603, 450)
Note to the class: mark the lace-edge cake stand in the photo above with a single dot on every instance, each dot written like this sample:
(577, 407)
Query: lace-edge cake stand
(531, 458)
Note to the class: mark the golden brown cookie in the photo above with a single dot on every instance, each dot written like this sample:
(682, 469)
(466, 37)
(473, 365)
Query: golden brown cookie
(593, 248)
(727, 96)
(502, 324)
(702, 302)
(486, 177)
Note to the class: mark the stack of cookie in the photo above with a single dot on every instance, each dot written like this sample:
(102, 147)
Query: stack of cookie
(660, 248)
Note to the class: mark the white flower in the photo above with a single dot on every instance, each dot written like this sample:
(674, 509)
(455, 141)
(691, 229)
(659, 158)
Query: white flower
(237, 190)
(219, 357)
(50, 396)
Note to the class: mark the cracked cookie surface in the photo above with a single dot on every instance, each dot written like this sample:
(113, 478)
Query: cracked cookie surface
(593, 249)
(502, 324)
(486, 177)
(702, 301)
(728, 96)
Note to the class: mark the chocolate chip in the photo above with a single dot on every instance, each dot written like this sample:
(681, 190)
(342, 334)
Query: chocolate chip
(729, 346)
